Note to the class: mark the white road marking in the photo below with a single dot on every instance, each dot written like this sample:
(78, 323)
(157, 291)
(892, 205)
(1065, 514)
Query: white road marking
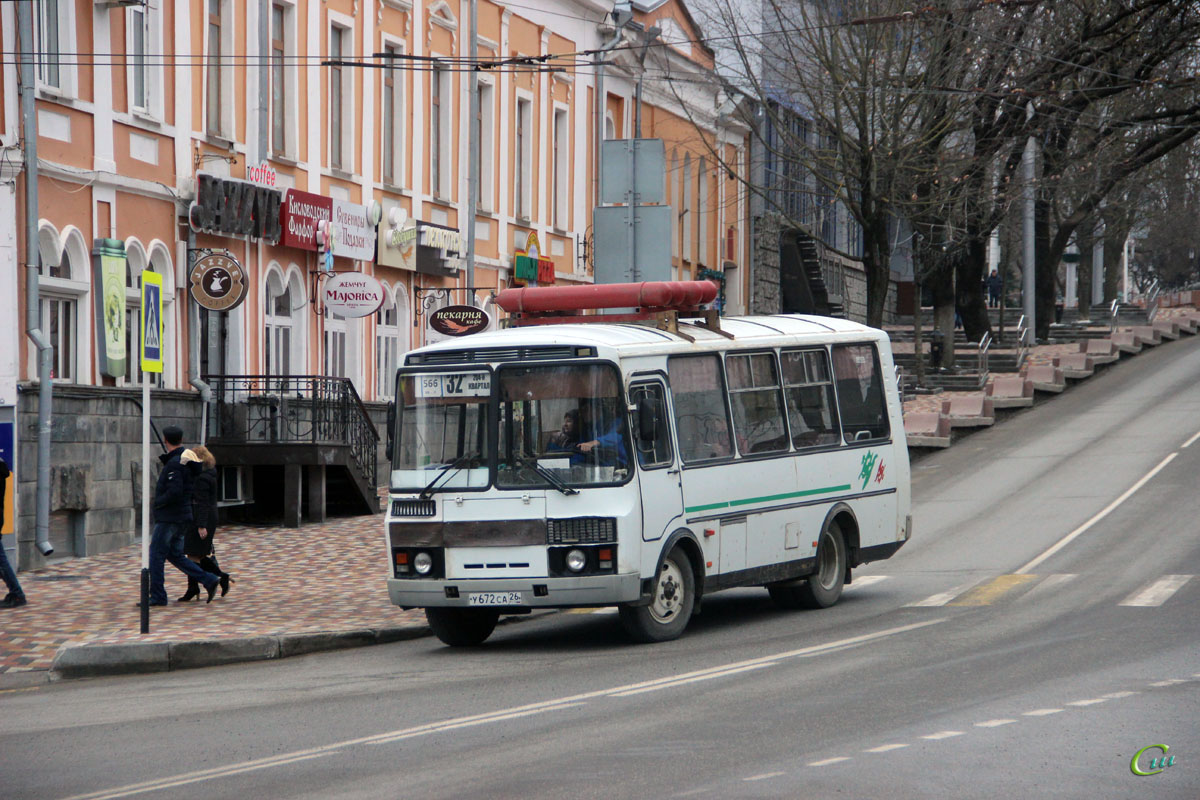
(1195, 436)
(1070, 537)
(865, 580)
(1168, 682)
(764, 776)
(941, 598)
(709, 676)
(1119, 695)
(558, 704)
(828, 761)
(1091, 702)
(1158, 592)
(885, 748)
(1042, 712)
(994, 723)
(943, 735)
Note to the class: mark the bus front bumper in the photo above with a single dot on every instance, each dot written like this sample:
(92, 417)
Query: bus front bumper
(590, 590)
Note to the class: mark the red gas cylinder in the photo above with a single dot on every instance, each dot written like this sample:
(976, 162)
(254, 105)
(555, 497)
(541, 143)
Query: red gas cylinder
(651, 295)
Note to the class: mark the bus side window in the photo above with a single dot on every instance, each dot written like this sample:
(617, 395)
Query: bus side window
(757, 403)
(655, 453)
(860, 392)
(809, 391)
(701, 417)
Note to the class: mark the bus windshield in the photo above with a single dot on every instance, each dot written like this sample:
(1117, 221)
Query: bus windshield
(442, 431)
(561, 424)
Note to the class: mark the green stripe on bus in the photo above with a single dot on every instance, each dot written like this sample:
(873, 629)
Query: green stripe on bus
(767, 498)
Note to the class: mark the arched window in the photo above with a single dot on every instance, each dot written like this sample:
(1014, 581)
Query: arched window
(685, 208)
(135, 264)
(702, 205)
(334, 354)
(62, 285)
(387, 345)
(277, 325)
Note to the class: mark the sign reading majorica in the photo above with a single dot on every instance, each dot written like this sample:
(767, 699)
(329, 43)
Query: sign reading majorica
(352, 294)
(218, 282)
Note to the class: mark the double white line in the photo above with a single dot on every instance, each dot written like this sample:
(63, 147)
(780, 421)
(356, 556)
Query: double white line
(532, 709)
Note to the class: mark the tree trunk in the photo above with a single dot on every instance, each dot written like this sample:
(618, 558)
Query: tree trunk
(943, 317)
(1083, 277)
(970, 269)
(1114, 243)
(877, 264)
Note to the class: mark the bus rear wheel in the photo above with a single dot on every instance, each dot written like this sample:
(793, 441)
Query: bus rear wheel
(671, 606)
(462, 627)
(824, 587)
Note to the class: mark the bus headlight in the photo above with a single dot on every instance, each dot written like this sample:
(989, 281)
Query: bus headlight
(576, 560)
(423, 563)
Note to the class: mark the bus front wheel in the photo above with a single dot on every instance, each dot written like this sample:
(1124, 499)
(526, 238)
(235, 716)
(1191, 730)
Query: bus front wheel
(462, 627)
(671, 607)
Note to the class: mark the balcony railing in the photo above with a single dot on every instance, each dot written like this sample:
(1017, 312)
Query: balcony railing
(293, 409)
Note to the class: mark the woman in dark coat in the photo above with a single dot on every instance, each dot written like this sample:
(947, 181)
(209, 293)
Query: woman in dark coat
(198, 543)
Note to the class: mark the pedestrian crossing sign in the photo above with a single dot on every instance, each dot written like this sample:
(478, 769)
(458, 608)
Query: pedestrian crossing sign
(151, 319)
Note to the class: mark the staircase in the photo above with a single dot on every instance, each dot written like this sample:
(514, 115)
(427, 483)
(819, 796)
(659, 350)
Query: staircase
(802, 283)
(303, 424)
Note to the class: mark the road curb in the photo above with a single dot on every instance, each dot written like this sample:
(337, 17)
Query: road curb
(96, 660)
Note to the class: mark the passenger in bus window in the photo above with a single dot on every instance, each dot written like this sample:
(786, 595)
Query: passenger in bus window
(567, 437)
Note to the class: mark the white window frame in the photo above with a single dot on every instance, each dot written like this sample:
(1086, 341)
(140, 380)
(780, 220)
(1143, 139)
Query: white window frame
(561, 161)
(387, 345)
(68, 72)
(487, 145)
(523, 156)
(335, 364)
(440, 102)
(151, 106)
(225, 121)
(685, 212)
(393, 145)
(703, 201)
(345, 162)
(289, 147)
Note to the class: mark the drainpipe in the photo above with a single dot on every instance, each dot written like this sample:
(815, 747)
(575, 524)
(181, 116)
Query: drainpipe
(33, 305)
(194, 344)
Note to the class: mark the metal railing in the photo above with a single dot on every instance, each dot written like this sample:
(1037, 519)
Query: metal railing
(293, 409)
(1024, 337)
(1152, 301)
(981, 357)
(1114, 316)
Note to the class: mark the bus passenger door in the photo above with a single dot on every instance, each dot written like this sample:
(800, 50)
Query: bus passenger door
(658, 474)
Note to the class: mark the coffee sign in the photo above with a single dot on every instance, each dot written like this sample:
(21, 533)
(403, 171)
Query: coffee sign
(458, 320)
(218, 282)
(352, 294)
(234, 208)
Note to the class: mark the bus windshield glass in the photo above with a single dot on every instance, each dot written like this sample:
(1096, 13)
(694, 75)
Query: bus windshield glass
(442, 431)
(563, 424)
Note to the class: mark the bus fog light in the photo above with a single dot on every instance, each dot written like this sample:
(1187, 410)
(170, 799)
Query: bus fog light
(422, 563)
(576, 560)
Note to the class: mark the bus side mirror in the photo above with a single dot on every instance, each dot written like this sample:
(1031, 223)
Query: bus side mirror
(647, 420)
(391, 425)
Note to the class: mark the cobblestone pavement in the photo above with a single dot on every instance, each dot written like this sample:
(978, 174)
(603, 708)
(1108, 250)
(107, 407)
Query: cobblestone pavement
(321, 577)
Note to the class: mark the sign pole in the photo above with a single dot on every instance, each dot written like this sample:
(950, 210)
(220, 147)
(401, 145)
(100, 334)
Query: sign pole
(151, 362)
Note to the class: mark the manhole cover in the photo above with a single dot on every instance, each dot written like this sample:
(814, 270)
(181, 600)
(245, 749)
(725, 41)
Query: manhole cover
(60, 577)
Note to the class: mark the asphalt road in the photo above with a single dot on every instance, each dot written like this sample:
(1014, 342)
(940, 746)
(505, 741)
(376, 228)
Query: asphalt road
(1040, 629)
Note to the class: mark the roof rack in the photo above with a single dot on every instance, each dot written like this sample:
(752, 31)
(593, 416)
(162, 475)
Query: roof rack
(663, 303)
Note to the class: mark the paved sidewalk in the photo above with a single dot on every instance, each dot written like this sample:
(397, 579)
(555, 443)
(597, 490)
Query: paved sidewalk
(289, 584)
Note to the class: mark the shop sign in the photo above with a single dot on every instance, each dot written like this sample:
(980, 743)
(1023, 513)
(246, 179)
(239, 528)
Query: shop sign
(218, 282)
(298, 217)
(263, 174)
(355, 231)
(235, 208)
(405, 243)
(530, 267)
(109, 265)
(352, 294)
(458, 320)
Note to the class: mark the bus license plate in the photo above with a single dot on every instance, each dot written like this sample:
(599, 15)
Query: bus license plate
(494, 599)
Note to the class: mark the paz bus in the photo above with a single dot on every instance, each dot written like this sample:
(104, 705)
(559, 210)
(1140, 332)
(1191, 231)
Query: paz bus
(640, 460)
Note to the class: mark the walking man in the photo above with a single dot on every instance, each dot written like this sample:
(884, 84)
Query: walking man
(172, 516)
(15, 596)
(995, 285)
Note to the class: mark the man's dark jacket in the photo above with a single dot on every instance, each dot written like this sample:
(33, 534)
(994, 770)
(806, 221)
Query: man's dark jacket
(173, 493)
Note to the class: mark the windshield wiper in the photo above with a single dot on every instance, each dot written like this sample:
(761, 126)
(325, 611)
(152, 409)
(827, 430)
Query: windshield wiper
(455, 465)
(547, 475)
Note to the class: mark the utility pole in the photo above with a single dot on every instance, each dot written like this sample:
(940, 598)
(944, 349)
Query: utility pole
(472, 147)
(1028, 285)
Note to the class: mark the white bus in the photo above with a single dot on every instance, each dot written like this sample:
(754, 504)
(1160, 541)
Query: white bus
(592, 465)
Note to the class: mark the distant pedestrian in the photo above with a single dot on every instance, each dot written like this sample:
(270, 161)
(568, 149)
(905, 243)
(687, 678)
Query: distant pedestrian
(198, 543)
(15, 596)
(995, 285)
(173, 517)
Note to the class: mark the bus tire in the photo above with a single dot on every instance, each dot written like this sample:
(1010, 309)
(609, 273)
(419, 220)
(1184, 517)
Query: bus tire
(667, 614)
(824, 587)
(462, 627)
